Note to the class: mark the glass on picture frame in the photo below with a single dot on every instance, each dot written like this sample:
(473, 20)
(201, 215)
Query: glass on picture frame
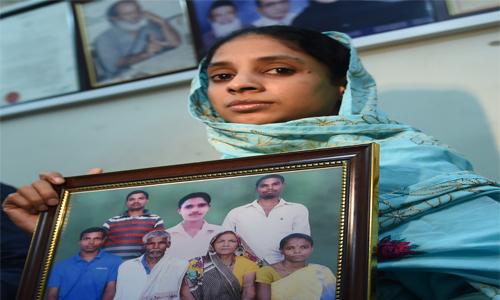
(130, 40)
(165, 231)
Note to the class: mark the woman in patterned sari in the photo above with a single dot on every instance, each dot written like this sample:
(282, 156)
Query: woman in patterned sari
(227, 272)
(293, 277)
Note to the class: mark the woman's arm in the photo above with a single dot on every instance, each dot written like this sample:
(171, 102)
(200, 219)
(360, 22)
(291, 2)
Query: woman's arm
(185, 293)
(248, 286)
(263, 291)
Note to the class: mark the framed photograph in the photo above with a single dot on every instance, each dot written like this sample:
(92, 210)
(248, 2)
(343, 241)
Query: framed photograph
(129, 40)
(313, 209)
(37, 54)
(215, 19)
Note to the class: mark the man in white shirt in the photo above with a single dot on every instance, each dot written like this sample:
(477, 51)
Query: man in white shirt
(191, 237)
(153, 274)
(273, 12)
(265, 221)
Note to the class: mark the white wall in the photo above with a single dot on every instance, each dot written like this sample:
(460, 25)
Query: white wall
(447, 86)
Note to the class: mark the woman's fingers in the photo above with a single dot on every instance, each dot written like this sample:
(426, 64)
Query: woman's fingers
(52, 177)
(46, 192)
(24, 206)
(22, 211)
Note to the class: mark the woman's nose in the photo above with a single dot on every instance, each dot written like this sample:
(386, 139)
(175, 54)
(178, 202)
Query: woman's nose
(241, 83)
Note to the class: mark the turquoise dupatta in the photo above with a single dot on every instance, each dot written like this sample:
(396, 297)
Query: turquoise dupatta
(423, 183)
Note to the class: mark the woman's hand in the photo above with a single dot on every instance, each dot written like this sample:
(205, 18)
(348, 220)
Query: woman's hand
(249, 292)
(24, 206)
(185, 293)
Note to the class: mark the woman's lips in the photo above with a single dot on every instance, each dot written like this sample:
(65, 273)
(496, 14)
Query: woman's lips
(248, 105)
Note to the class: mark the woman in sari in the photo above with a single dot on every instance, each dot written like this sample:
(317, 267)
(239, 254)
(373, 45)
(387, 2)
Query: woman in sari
(294, 278)
(227, 272)
(278, 89)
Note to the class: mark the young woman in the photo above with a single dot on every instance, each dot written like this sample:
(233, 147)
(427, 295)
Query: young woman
(226, 272)
(293, 277)
(278, 89)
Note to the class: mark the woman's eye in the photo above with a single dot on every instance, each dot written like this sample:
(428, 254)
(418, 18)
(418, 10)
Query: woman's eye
(221, 77)
(281, 71)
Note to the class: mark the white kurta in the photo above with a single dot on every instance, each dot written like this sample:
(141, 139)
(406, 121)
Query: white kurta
(263, 233)
(163, 282)
(185, 246)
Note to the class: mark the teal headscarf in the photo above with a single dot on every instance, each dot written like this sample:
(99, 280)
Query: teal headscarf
(417, 173)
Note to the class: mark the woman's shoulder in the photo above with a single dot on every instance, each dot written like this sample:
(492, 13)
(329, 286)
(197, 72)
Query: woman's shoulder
(267, 274)
(319, 267)
(266, 270)
(323, 269)
(246, 260)
(246, 263)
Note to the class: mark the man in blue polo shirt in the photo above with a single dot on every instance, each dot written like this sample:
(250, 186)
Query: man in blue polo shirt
(91, 274)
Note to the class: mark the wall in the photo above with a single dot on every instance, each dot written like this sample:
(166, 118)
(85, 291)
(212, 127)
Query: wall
(447, 86)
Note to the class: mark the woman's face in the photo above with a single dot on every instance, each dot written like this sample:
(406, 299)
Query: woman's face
(255, 79)
(297, 250)
(226, 244)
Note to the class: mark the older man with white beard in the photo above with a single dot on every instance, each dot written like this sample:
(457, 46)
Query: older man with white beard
(135, 35)
(154, 275)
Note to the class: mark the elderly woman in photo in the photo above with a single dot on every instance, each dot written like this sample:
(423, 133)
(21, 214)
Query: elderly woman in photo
(227, 272)
(294, 277)
(278, 89)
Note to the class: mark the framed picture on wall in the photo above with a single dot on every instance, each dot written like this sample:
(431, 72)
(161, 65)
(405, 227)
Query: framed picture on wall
(129, 40)
(256, 212)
